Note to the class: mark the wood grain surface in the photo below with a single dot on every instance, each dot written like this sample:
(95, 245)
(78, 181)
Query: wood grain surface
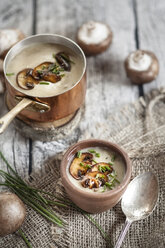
(135, 24)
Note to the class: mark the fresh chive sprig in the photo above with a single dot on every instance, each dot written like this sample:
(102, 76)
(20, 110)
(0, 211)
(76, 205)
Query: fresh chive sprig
(36, 198)
(24, 238)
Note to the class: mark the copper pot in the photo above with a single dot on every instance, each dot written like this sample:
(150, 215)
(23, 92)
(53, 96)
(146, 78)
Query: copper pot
(43, 109)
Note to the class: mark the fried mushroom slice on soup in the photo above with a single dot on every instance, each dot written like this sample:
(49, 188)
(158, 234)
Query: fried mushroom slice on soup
(80, 165)
(47, 71)
(63, 60)
(94, 179)
(25, 80)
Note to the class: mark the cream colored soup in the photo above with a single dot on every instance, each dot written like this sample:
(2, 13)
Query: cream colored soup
(36, 54)
(106, 156)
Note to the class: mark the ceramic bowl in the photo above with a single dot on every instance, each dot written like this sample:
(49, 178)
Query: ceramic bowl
(94, 202)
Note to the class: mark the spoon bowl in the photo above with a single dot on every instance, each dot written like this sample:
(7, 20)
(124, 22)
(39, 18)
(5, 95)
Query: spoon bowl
(138, 201)
(140, 197)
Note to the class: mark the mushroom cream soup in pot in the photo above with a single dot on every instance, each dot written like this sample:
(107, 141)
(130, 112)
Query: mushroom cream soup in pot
(45, 78)
(44, 54)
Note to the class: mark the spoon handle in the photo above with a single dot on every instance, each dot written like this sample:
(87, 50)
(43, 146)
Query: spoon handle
(123, 233)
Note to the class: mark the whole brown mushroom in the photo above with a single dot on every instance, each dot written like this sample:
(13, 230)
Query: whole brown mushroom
(12, 213)
(141, 66)
(94, 37)
(8, 38)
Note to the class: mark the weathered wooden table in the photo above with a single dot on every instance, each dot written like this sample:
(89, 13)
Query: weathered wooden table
(135, 24)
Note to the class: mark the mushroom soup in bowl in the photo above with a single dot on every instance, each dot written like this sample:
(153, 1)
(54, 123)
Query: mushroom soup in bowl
(95, 174)
(96, 169)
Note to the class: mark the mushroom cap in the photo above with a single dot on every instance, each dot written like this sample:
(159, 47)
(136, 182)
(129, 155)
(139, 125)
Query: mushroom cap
(94, 37)
(141, 66)
(76, 170)
(12, 213)
(25, 80)
(91, 180)
(8, 38)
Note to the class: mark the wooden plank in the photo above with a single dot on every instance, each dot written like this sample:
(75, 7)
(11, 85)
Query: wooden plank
(17, 14)
(12, 144)
(151, 20)
(108, 87)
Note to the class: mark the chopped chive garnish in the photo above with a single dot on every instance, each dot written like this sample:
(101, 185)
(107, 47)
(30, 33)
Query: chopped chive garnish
(112, 181)
(88, 166)
(64, 57)
(62, 75)
(71, 61)
(39, 71)
(111, 175)
(97, 176)
(109, 185)
(46, 83)
(10, 74)
(94, 161)
(61, 69)
(97, 155)
(102, 168)
(55, 71)
(104, 188)
(117, 180)
(67, 58)
(78, 154)
(110, 163)
(115, 174)
(113, 158)
(91, 151)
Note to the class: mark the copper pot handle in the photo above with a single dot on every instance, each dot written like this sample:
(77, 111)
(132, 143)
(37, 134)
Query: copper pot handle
(6, 119)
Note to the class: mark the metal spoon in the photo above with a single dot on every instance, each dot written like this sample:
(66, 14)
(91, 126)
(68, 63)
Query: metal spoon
(138, 201)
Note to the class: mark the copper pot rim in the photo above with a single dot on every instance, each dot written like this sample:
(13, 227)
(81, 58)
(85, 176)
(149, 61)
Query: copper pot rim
(42, 35)
(92, 143)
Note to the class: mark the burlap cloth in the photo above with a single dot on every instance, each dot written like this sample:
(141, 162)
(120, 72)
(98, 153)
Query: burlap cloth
(140, 129)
